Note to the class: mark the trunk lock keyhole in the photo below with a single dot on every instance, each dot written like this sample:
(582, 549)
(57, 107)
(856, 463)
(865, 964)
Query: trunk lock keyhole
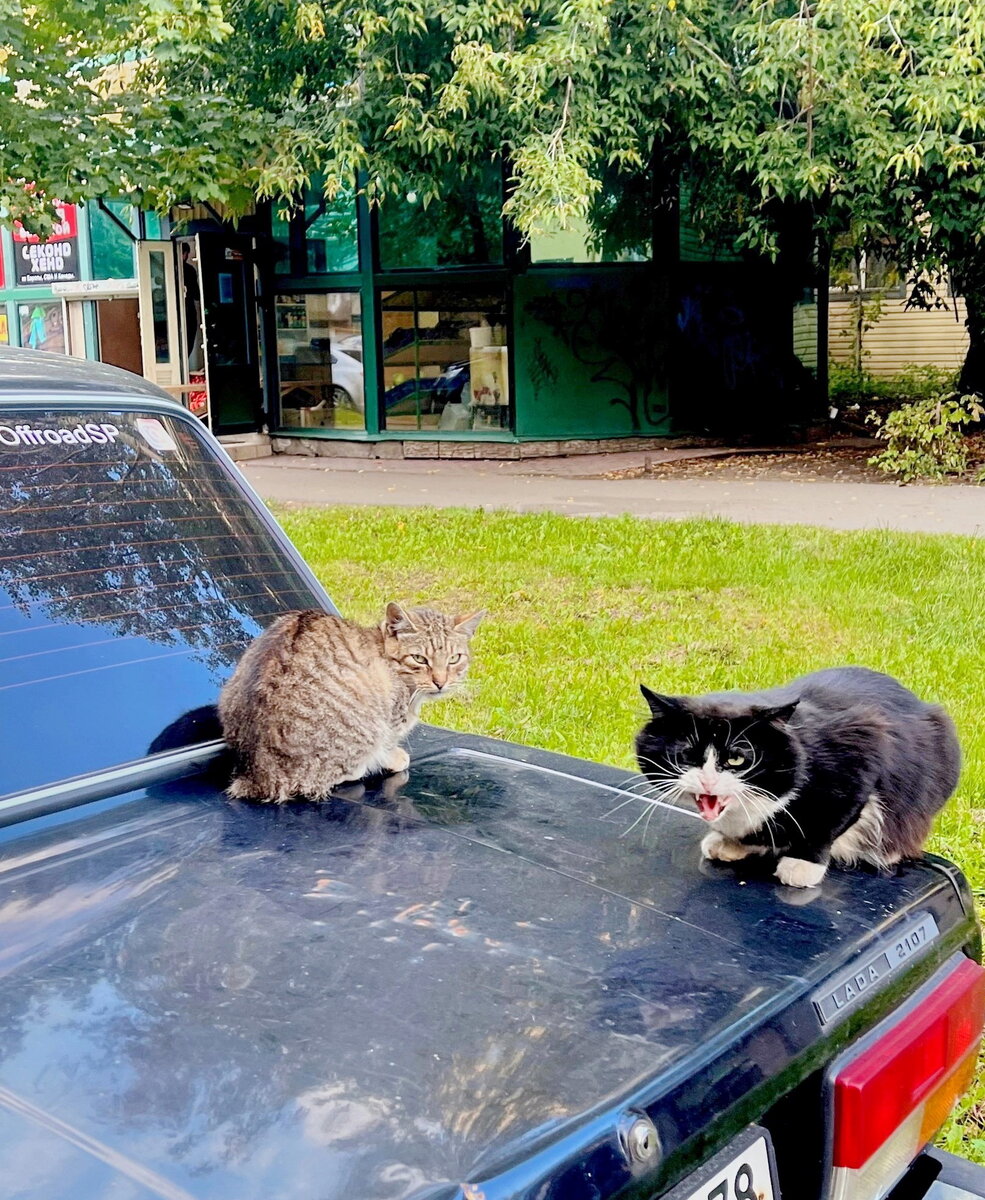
(640, 1140)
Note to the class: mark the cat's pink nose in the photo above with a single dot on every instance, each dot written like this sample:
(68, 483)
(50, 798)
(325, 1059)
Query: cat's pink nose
(439, 680)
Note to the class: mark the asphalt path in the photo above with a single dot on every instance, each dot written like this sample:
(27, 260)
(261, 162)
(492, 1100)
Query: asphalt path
(453, 484)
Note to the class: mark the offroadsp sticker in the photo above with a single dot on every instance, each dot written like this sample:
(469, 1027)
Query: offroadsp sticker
(91, 433)
(154, 434)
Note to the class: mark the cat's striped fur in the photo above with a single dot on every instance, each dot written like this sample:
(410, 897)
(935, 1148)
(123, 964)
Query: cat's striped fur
(317, 700)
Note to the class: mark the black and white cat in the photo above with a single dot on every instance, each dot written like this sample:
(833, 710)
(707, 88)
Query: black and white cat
(843, 764)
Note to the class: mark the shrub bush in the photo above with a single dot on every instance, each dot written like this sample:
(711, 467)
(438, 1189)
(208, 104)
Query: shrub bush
(926, 438)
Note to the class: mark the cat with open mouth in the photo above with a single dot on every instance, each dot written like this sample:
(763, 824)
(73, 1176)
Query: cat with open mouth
(843, 765)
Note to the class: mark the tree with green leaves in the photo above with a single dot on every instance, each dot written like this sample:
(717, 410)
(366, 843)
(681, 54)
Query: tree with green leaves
(873, 114)
(863, 117)
(71, 126)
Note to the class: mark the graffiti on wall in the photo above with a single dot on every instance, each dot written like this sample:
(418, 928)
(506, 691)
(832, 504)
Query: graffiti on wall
(612, 329)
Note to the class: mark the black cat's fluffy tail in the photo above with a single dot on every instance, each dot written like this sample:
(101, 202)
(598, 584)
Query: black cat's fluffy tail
(922, 776)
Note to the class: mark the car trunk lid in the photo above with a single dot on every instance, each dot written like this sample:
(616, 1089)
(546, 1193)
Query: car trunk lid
(460, 986)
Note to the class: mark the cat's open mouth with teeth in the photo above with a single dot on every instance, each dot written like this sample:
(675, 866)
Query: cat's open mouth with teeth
(711, 807)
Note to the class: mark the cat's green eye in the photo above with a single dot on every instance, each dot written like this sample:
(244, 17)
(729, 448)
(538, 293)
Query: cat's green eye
(454, 659)
(735, 760)
(419, 659)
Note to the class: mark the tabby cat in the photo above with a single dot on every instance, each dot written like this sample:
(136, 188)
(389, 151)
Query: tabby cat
(317, 700)
(843, 764)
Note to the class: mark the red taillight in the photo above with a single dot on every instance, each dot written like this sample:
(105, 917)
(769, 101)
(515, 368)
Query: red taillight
(925, 1059)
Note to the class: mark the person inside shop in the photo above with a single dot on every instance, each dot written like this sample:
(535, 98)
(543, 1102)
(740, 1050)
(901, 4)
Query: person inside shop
(193, 324)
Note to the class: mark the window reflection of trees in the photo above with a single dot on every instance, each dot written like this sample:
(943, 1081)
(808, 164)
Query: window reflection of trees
(160, 546)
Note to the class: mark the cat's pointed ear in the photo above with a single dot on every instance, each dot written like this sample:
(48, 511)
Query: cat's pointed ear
(779, 716)
(398, 619)
(468, 623)
(660, 706)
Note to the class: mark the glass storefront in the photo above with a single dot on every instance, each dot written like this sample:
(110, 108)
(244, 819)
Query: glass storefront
(445, 359)
(320, 237)
(111, 249)
(438, 284)
(320, 356)
(463, 228)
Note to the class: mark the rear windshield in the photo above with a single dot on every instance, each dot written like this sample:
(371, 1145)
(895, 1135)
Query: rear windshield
(132, 573)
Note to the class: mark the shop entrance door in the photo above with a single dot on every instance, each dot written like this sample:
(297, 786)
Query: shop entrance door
(160, 337)
(230, 344)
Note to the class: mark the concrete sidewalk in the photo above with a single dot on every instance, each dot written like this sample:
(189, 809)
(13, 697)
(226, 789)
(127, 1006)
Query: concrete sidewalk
(511, 485)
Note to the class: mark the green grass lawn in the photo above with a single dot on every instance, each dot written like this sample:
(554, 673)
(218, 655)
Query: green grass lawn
(581, 611)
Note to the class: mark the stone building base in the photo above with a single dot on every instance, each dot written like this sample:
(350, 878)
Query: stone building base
(392, 449)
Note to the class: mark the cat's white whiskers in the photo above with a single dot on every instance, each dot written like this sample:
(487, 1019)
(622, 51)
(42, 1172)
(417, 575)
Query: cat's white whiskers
(655, 790)
(758, 791)
(661, 798)
(646, 823)
(613, 811)
(659, 781)
(655, 793)
(660, 794)
(627, 832)
(656, 804)
(655, 768)
(647, 788)
(760, 809)
(656, 773)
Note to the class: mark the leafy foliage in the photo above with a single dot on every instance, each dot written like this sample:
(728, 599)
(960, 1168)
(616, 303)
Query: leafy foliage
(849, 385)
(863, 116)
(73, 122)
(925, 439)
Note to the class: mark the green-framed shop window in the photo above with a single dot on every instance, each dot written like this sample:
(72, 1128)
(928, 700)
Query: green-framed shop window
(619, 229)
(320, 360)
(320, 237)
(462, 228)
(445, 358)
(110, 248)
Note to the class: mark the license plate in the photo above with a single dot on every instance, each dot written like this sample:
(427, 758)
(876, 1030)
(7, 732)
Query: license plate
(744, 1170)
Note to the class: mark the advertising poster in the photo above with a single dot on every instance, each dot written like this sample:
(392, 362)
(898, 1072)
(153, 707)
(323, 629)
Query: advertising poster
(41, 326)
(54, 260)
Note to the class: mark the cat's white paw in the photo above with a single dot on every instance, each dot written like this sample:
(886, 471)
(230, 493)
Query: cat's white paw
(799, 873)
(397, 760)
(716, 846)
